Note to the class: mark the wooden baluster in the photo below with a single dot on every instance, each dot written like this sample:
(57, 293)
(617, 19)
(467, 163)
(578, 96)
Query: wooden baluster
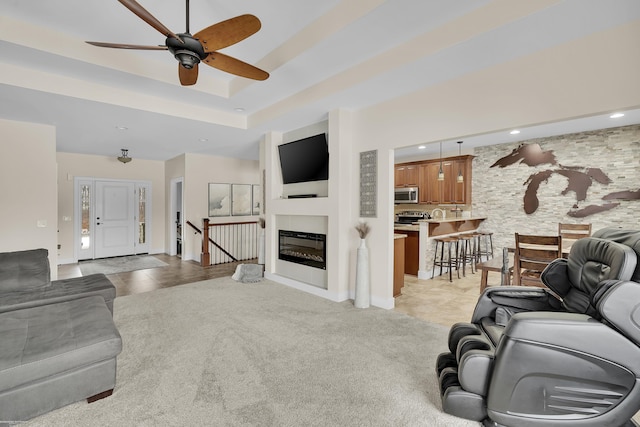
(205, 257)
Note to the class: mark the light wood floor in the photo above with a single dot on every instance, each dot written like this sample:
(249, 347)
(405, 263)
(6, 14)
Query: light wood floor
(437, 300)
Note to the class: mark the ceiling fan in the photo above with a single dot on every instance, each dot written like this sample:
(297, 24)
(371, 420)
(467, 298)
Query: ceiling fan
(203, 46)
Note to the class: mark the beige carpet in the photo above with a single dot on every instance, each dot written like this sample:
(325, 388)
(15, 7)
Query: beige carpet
(223, 353)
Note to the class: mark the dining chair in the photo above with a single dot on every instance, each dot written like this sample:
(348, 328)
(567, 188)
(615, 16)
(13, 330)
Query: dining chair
(574, 231)
(532, 254)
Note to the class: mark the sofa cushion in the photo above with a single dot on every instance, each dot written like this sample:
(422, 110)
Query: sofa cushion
(24, 270)
(51, 339)
(60, 290)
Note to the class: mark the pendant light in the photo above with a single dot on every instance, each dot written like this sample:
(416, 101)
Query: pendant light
(124, 158)
(460, 177)
(440, 172)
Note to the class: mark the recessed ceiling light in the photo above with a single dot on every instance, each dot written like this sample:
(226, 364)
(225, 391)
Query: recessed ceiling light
(203, 139)
(122, 127)
(514, 132)
(238, 109)
(422, 147)
(616, 115)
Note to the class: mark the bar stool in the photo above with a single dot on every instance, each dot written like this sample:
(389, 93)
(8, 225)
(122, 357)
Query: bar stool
(475, 246)
(487, 237)
(466, 252)
(451, 260)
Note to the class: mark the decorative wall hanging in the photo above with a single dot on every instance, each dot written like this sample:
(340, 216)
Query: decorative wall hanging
(368, 183)
(579, 180)
(240, 199)
(219, 199)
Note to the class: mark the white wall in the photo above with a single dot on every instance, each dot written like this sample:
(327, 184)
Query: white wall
(199, 171)
(173, 169)
(83, 165)
(28, 188)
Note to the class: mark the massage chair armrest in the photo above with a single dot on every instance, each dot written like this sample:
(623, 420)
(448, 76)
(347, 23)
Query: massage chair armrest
(515, 299)
(563, 367)
(617, 302)
(572, 332)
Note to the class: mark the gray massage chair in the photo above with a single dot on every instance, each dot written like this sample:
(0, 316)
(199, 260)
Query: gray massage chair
(564, 356)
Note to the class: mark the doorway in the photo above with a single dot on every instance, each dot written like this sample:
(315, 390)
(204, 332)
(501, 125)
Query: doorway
(113, 218)
(177, 218)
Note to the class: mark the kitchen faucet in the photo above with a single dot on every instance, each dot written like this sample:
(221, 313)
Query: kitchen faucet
(442, 213)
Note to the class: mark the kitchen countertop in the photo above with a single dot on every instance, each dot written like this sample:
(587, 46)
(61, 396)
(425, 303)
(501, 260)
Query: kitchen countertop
(438, 220)
(406, 227)
(416, 225)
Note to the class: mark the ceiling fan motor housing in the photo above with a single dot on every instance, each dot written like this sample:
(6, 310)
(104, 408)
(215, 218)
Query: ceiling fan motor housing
(189, 52)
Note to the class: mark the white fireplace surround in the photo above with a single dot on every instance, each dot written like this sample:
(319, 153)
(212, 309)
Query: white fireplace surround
(302, 273)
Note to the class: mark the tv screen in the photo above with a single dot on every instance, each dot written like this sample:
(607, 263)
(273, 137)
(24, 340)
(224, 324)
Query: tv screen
(305, 160)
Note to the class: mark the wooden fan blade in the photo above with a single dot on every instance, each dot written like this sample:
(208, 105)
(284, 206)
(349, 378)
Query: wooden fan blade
(234, 66)
(187, 76)
(226, 33)
(144, 14)
(127, 46)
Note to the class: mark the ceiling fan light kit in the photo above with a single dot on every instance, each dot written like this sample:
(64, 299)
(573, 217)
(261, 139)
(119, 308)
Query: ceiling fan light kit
(201, 47)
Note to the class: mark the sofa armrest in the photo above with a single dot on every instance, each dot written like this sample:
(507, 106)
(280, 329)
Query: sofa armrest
(24, 270)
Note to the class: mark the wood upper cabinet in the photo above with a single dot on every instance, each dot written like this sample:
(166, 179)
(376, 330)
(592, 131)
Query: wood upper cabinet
(424, 175)
(461, 191)
(406, 176)
(448, 190)
(430, 187)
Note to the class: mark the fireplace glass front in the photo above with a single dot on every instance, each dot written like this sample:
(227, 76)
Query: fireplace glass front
(303, 248)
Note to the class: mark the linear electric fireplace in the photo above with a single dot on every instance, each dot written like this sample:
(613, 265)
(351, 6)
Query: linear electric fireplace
(303, 248)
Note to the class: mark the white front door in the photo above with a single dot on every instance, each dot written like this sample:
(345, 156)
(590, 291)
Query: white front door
(115, 229)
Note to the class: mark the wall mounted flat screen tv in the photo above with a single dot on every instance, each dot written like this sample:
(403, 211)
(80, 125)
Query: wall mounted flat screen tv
(305, 160)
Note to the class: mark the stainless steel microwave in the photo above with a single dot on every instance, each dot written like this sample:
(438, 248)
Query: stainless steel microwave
(406, 195)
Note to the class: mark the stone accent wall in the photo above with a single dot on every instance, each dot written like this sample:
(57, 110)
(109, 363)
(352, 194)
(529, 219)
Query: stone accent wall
(498, 192)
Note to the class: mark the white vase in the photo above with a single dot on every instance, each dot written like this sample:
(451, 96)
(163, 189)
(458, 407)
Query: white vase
(261, 247)
(363, 293)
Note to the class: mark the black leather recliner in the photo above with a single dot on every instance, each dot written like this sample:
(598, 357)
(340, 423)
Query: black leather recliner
(564, 356)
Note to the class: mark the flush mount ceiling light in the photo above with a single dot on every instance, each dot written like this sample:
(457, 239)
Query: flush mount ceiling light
(122, 127)
(238, 109)
(440, 172)
(460, 177)
(124, 158)
(422, 147)
(514, 132)
(616, 115)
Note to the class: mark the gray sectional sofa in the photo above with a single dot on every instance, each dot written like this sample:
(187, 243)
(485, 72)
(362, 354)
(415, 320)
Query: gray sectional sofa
(58, 341)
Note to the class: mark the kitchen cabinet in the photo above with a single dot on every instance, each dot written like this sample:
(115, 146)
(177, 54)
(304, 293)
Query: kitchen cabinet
(461, 191)
(411, 252)
(398, 263)
(406, 176)
(449, 190)
(430, 187)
